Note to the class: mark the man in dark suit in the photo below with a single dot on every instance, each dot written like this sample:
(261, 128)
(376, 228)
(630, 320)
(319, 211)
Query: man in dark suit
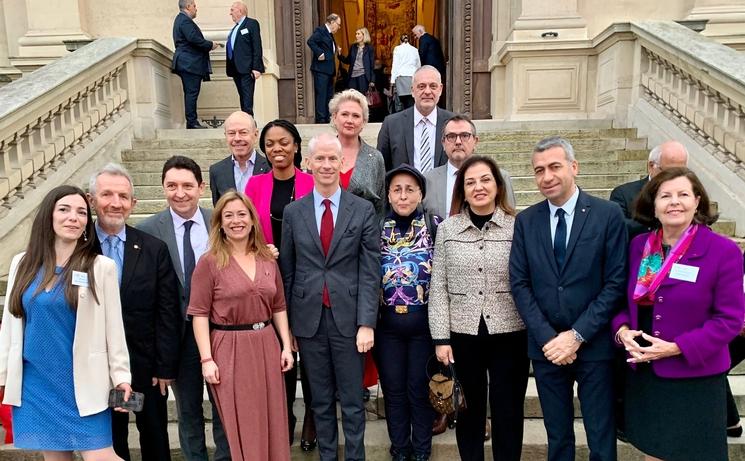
(330, 262)
(323, 64)
(244, 55)
(234, 171)
(430, 54)
(568, 277)
(150, 310)
(191, 59)
(667, 155)
(413, 135)
(184, 227)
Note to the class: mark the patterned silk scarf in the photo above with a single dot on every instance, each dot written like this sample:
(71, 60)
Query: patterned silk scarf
(655, 267)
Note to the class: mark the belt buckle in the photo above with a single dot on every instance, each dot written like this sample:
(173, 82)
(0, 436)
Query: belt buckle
(258, 326)
(402, 309)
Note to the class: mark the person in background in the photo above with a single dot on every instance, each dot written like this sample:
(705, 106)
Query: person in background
(243, 51)
(737, 355)
(62, 309)
(403, 342)
(685, 305)
(271, 193)
(361, 60)
(405, 63)
(363, 169)
(472, 315)
(323, 66)
(430, 54)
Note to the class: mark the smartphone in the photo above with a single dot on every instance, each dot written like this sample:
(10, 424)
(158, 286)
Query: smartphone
(135, 402)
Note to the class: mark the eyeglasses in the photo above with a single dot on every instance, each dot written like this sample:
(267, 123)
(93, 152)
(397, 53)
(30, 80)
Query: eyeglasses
(401, 190)
(464, 137)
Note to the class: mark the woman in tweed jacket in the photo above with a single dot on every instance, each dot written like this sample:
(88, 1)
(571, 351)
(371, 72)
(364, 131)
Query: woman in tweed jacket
(472, 316)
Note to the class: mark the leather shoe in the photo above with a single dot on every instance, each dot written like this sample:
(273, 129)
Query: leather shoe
(487, 431)
(198, 126)
(308, 445)
(735, 431)
(440, 424)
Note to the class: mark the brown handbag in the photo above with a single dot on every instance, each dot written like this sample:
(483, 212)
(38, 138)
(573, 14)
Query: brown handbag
(446, 393)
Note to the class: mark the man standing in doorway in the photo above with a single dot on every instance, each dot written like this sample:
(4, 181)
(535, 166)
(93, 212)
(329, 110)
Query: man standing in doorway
(244, 55)
(430, 54)
(323, 65)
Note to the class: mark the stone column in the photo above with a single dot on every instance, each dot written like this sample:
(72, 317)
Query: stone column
(539, 16)
(266, 98)
(7, 71)
(49, 24)
(726, 20)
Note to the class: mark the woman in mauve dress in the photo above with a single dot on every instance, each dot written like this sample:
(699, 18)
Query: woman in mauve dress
(236, 296)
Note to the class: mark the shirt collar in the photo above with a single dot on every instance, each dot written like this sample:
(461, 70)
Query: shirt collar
(318, 198)
(251, 159)
(432, 117)
(178, 221)
(122, 234)
(568, 207)
(240, 20)
(452, 170)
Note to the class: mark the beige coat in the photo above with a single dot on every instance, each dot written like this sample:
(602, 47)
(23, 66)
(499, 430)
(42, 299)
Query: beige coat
(99, 352)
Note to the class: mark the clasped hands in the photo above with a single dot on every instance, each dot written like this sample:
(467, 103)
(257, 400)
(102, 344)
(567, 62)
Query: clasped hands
(562, 350)
(658, 348)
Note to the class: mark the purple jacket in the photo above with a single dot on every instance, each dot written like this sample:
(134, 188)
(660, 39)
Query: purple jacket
(701, 317)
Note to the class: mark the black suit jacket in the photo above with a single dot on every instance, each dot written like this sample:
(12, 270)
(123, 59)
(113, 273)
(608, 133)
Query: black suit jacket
(430, 53)
(322, 42)
(586, 292)
(368, 61)
(625, 196)
(222, 178)
(247, 50)
(396, 138)
(150, 308)
(192, 52)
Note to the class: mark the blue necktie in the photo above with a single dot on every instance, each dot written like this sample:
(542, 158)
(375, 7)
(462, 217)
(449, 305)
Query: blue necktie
(189, 259)
(229, 45)
(560, 239)
(112, 251)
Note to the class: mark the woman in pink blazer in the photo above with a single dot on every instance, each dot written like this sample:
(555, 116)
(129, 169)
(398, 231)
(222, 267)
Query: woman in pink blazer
(270, 193)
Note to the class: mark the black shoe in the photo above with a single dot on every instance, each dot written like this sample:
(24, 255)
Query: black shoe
(420, 458)
(735, 431)
(621, 435)
(198, 126)
(308, 445)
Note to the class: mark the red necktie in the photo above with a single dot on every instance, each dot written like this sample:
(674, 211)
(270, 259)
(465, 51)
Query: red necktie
(327, 232)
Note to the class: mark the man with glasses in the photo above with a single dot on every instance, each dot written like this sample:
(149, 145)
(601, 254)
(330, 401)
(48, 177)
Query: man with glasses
(413, 135)
(459, 142)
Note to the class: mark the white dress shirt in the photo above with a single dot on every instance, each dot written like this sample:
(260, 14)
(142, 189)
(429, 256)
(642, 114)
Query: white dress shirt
(199, 235)
(569, 207)
(432, 122)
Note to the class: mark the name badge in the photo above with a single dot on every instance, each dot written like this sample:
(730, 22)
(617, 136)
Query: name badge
(80, 279)
(244, 31)
(684, 272)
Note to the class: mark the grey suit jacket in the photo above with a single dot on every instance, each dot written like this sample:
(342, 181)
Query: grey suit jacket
(222, 178)
(351, 270)
(396, 138)
(160, 225)
(368, 177)
(436, 198)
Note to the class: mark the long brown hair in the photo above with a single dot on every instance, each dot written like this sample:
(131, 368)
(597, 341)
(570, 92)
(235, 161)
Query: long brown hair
(219, 245)
(40, 254)
(459, 203)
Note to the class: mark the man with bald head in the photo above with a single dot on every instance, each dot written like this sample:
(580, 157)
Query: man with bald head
(244, 55)
(234, 171)
(667, 155)
(330, 264)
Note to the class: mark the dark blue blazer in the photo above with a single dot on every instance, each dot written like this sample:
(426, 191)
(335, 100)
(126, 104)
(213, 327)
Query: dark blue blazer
(430, 53)
(192, 53)
(247, 50)
(368, 61)
(322, 42)
(586, 292)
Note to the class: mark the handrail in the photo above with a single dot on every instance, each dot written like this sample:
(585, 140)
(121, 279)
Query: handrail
(56, 110)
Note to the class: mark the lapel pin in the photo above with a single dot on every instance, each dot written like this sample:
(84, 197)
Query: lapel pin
(583, 210)
(137, 247)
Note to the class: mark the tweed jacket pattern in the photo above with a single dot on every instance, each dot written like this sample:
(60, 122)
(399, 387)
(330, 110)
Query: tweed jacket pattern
(368, 177)
(470, 278)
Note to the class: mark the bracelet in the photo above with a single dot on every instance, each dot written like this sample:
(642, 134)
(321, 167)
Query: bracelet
(207, 360)
(618, 333)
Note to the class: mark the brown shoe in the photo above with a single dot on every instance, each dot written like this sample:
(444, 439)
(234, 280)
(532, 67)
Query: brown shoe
(440, 424)
(487, 431)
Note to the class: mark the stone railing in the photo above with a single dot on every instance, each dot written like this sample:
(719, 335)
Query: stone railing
(700, 83)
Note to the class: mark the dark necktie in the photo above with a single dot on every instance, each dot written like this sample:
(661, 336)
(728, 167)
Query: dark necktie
(229, 45)
(327, 233)
(560, 238)
(189, 259)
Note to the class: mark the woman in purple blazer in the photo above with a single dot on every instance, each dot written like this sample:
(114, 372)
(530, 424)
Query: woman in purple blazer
(270, 193)
(685, 304)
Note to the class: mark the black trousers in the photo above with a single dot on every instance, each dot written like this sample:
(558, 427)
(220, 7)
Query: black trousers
(291, 389)
(323, 85)
(152, 424)
(402, 347)
(737, 354)
(504, 358)
(192, 84)
(245, 84)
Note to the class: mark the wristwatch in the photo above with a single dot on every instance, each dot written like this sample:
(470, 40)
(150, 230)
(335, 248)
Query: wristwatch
(578, 336)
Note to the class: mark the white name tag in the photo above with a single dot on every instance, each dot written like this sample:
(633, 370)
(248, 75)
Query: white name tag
(244, 31)
(684, 272)
(80, 279)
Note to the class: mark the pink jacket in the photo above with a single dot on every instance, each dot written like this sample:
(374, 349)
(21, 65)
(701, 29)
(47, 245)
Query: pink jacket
(259, 189)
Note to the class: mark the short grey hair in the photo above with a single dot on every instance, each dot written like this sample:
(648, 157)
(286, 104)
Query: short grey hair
(424, 68)
(655, 154)
(113, 169)
(555, 141)
(419, 29)
(322, 138)
(182, 4)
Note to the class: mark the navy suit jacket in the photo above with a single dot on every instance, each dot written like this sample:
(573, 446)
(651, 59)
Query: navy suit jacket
(368, 61)
(430, 53)
(396, 138)
(247, 50)
(625, 196)
(192, 52)
(322, 42)
(222, 178)
(586, 292)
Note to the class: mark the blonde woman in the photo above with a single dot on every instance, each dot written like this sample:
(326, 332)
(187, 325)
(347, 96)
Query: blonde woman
(361, 60)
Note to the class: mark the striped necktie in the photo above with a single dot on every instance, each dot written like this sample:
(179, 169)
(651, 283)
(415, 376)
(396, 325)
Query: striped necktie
(425, 148)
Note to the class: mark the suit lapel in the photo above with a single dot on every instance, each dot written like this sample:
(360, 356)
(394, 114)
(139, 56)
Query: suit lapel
(309, 216)
(165, 222)
(342, 222)
(581, 211)
(544, 235)
(132, 248)
(439, 153)
(409, 134)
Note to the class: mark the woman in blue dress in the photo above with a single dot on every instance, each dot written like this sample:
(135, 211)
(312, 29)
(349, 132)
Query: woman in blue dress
(62, 345)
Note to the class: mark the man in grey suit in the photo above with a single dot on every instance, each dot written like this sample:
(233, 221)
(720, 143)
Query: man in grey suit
(234, 171)
(184, 226)
(459, 140)
(413, 135)
(330, 262)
